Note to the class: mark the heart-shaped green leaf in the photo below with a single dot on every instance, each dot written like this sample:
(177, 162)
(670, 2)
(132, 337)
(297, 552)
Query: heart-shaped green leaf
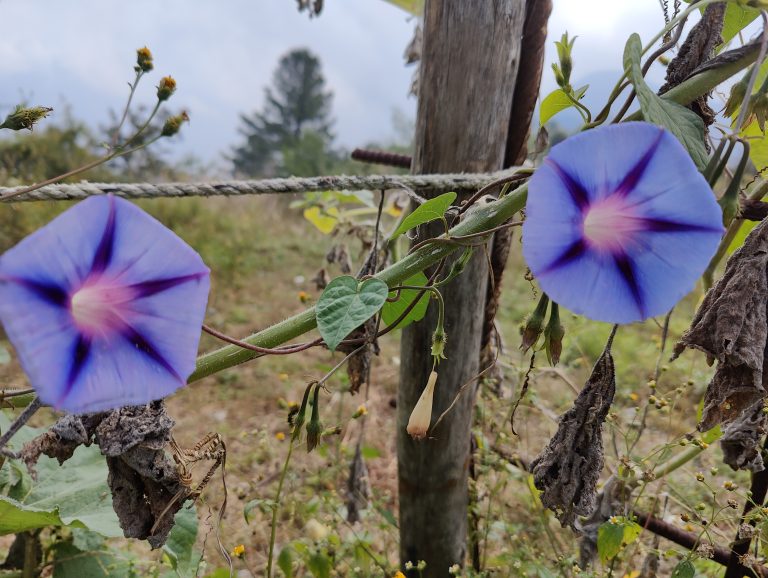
(347, 303)
(430, 210)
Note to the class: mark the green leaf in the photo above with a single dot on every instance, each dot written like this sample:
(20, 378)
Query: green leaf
(736, 19)
(86, 540)
(613, 536)
(427, 212)
(758, 145)
(370, 452)
(741, 235)
(680, 121)
(73, 494)
(324, 220)
(347, 303)
(684, 569)
(285, 562)
(557, 101)
(320, 565)
(180, 547)
(415, 7)
(69, 562)
(393, 309)
(265, 506)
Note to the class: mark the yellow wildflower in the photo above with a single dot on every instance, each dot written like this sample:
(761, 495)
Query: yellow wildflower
(280, 436)
(238, 551)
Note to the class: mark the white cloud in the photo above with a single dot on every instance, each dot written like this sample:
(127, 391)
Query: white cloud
(223, 54)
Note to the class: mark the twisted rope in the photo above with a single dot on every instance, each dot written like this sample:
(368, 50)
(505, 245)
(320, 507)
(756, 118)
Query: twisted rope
(421, 183)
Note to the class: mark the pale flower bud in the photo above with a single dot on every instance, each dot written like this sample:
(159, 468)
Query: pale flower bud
(421, 416)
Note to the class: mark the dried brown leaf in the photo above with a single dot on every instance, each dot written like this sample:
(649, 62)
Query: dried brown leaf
(731, 327)
(568, 469)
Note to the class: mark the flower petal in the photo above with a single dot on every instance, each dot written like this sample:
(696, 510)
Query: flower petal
(645, 235)
(104, 306)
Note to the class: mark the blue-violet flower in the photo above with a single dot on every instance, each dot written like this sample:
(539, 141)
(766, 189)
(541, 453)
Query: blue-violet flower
(620, 223)
(104, 306)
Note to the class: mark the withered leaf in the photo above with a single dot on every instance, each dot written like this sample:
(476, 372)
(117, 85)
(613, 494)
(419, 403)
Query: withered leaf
(730, 326)
(741, 439)
(568, 469)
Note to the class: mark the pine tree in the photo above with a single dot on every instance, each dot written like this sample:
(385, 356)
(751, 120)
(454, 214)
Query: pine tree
(297, 107)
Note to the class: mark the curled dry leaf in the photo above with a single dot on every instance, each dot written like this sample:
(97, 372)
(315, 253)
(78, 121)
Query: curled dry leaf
(568, 469)
(741, 439)
(143, 479)
(731, 327)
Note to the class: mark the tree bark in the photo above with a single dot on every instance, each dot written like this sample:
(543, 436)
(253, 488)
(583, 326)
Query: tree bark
(469, 69)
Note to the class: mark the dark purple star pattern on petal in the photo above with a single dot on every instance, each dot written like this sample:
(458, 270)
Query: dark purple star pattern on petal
(619, 223)
(104, 306)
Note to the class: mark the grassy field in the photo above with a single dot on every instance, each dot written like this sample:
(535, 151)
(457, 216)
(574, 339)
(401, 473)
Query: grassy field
(263, 256)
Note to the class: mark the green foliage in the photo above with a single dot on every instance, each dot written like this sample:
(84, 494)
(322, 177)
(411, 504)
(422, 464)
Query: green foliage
(429, 211)
(71, 562)
(285, 562)
(614, 535)
(737, 18)
(558, 101)
(297, 105)
(685, 124)
(347, 303)
(180, 547)
(75, 493)
(684, 569)
(29, 158)
(393, 309)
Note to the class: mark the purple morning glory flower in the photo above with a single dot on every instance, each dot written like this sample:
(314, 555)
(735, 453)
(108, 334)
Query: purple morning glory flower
(104, 306)
(620, 223)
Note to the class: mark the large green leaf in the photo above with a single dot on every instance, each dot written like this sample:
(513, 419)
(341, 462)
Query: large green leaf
(431, 210)
(347, 303)
(680, 121)
(736, 19)
(393, 309)
(75, 493)
(70, 562)
(557, 101)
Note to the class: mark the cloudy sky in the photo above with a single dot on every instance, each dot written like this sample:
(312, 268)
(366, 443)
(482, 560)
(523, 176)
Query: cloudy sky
(80, 53)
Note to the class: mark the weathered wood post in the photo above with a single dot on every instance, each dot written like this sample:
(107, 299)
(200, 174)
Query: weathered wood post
(469, 67)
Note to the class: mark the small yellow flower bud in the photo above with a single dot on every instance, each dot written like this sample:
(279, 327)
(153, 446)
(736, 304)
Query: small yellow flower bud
(279, 436)
(144, 60)
(23, 117)
(238, 551)
(360, 412)
(421, 416)
(166, 88)
(173, 124)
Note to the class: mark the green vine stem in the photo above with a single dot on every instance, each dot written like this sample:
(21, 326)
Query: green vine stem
(276, 507)
(485, 217)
